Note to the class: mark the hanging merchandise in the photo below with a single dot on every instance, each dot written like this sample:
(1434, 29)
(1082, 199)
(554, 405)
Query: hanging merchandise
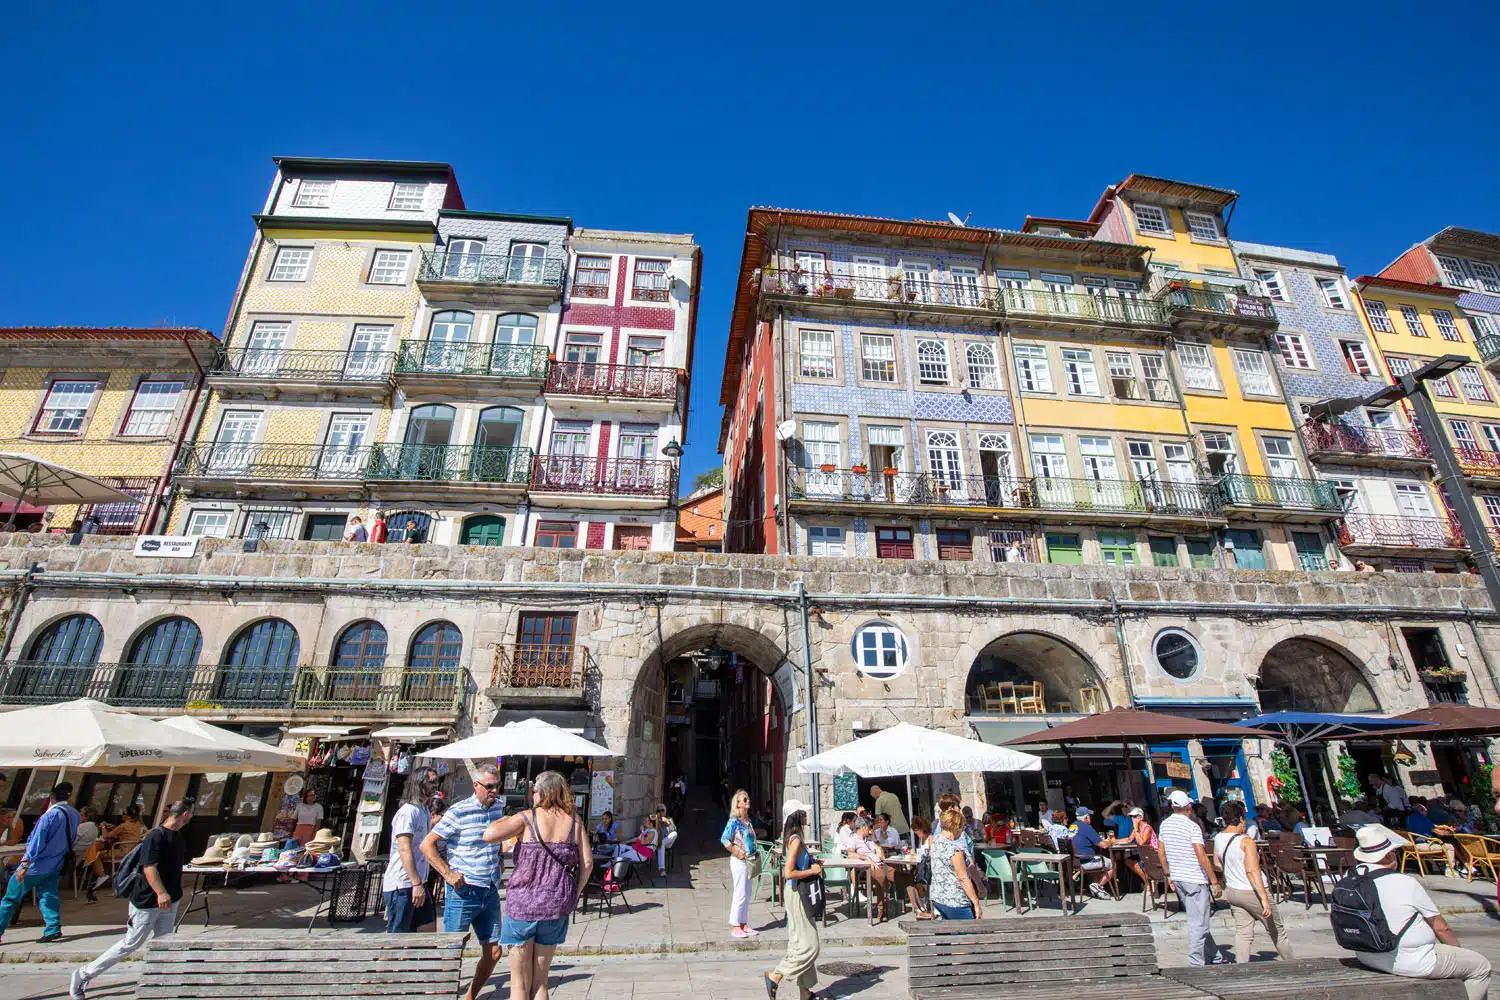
(403, 763)
(361, 755)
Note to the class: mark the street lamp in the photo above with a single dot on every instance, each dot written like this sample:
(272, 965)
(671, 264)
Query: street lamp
(672, 449)
(1412, 386)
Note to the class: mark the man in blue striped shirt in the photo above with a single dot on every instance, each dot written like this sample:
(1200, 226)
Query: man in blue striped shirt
(471, 869)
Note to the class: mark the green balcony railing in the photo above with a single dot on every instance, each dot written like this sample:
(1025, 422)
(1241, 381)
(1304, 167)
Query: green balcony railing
(441, 357)
(1489, 347)
(1238, 304)
(1104, 307)
(449, 463)
(271, 460)
(1278, 492)
(440, 690)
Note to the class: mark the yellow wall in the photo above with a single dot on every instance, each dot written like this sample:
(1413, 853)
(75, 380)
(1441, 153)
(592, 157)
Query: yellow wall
(1181, 247)
(1420, 349)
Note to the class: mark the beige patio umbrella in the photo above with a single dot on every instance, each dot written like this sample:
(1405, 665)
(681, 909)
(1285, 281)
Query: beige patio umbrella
(30, 480)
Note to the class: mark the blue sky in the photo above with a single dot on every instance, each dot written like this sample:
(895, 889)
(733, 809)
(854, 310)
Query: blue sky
(138, 137)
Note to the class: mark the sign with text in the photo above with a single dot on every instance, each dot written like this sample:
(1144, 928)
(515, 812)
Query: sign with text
(166, 546)
(846, 791)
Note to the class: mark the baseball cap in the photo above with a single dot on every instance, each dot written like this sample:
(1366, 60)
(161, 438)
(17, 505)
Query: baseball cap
(1083, 811)
(1138, 811)
(1179, 799)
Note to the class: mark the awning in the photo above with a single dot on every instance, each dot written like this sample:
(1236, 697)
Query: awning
(329, 732)
(1001, 732)
(1215, 709)
(575, 721)
(11, 507)
(411, 733)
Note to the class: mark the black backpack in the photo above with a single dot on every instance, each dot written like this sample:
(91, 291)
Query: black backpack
(1358, 920)
(127, 872)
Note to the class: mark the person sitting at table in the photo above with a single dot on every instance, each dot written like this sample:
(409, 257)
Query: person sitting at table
(1437, 811)
(1419, 822)
(844, 834)
(12, 829)
(88, 832)
(608, 831)
(1291, 821)
(666, 836)
(1463, 821)
(971, 827)
(1265, 819)
(1357, 814)
(864, 848)
(118, 840)
(1087, 844)
(1141, 835)
(997, 830)
(906, 875)
(885, 834)
(1057, 827)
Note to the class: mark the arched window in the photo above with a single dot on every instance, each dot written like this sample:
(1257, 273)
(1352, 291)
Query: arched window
(259, 665)
(424, 452)
(515, 328)
(447, 342)
(513, 352)
(404, 522)
(61, 662)
(358, 662)
(159, 667)
(432, 668)
(496, 458)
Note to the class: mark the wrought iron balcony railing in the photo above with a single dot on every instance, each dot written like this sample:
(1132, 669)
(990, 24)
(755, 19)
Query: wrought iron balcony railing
(1278, 492)
(1479, 463)
(302, 366)
(449, 463)
(429, 690)
(1237, 304)
(441, 357)
(527, 665)
(1397, 531)
(44, 683)
(491, 269)
(584, 378)
(1104, 307)
(611, 476)
(1350, 439)
(1152, 497)
(1489, 346)
(1014, 493)
(215, 460)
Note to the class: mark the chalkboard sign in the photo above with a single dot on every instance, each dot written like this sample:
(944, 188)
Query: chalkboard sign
(846, 791)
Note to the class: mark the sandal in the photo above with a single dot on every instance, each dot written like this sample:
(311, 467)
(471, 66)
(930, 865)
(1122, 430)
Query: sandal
(771, 985)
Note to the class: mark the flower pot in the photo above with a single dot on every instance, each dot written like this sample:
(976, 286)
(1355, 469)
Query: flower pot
(827, 468)
(860, 469)
(844, 292)
(889, 471)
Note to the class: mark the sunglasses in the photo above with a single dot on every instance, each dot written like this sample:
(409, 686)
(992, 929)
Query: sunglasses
(487, 787)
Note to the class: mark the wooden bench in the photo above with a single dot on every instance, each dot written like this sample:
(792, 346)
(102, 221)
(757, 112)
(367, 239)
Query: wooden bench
(1311, 979)
(285, 964)
(1040, 958)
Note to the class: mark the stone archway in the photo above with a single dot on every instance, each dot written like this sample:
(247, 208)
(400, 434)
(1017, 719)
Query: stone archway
(1070, 681)
(1303, 674)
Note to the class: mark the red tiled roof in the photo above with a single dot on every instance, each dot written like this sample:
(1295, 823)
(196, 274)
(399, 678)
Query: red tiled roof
(1407, 286)
(174, 334)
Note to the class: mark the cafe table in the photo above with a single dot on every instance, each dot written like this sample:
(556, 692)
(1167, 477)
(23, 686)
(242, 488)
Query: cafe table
(857, 865)
(1119, 854)
(1059, 862)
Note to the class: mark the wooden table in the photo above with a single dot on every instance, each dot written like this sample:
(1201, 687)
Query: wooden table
(204, 881)
(1058, 861)
(1118, 855)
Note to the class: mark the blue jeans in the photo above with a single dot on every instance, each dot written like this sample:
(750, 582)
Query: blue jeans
(476, 906)
(547, 933)
(401, 916)
(47, 899)
(965, 912)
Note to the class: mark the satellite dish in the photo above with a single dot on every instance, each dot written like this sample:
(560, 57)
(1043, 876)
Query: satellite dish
(785, 430)
(953, 218)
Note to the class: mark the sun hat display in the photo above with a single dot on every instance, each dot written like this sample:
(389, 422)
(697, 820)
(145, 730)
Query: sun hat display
(286, 861)
(1375, 842)
(326, 861)
(269, 855)
(324, 840)
(292, 845)
(266, 839)
(217, 853)
(308, 860)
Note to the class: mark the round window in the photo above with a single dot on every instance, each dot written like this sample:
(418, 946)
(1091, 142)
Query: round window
(879, 650)
(1177, 653)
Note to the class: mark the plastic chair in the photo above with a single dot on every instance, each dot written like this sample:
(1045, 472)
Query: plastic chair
(837, 878)
(997, 868)
(768, 869)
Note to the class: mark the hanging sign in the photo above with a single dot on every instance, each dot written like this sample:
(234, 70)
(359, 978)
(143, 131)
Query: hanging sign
(846, 791)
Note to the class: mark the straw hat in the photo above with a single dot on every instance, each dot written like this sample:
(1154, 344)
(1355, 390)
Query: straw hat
(218, 852)
(266, 839)
(322, 841)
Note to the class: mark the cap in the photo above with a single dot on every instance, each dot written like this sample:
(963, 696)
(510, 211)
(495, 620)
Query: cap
(1083, 811)
(1138, 811)
(1179, 799)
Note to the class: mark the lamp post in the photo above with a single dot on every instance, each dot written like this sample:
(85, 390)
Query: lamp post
(1413, 387)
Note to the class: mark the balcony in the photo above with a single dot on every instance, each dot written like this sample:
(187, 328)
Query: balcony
(558, 480)
(1277, 495)
(437, 693)
(1489, 348)
(258, 372)
(1479, 464)
(482, 272)
(329, 468)
(1376, 534)
(1359, 445)
(583, 387)
(438, 364)
(532, 674)
(1217, 308)
(1080, 308)
(1118, 496)
(447, 464)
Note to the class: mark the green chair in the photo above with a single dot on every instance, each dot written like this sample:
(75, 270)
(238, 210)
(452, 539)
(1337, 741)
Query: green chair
(1034, 872)
(836, 878)
(997, 868)
(768, 871)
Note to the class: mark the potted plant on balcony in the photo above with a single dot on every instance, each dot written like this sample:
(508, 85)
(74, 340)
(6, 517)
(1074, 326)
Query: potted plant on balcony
(827, 467)
(893, 287)
(859, 469)
(844, 291)
(889, 471)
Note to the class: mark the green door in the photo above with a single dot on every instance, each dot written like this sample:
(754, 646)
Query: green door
(1200, 553)
(1163, 551)
(1311, 555)
(487, 529)
(1248, 553)
(1064, 548)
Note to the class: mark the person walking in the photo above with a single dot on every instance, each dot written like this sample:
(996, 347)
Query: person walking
(952, 892)
(739, 840)
(154, 893)
(800, 961)
(1190, 872)
(552, 865)
(1245, 885)
(404, 883)
(51, 842)
(472, 870)
(666, 836)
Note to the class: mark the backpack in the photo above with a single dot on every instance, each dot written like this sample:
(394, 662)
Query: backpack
(127, 872)
(1357, 918)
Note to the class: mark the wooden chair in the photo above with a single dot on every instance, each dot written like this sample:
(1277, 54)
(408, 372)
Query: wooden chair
(992, 699)
(1032, 703)
(1006, 692)
(1091, 700)
(1421, 850)
(1483, 852)
(1156, 875)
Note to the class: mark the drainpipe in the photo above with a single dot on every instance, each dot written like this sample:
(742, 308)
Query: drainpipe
(1114, 605)
(23, 592)
(812, 711)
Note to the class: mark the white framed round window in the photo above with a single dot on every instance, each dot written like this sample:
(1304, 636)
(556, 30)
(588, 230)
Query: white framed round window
(1177, 653)
(880, 650)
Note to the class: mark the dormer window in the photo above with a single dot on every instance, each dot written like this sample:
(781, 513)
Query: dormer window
(1152, 219)
(314, 194)
(1203, 226)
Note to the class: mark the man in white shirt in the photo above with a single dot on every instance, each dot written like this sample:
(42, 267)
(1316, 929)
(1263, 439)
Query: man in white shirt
(1395, 804)
(1191, 874)
(1428, 949)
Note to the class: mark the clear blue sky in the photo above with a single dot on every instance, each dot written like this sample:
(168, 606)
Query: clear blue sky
(137, 142)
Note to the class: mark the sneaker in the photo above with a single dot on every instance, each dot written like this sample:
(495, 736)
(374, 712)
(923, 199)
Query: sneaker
(49, 938)
(1097, 891)
(78, 986)
(737, 933)
(751, 932)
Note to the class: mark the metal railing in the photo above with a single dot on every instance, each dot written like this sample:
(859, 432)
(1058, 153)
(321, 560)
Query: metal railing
(1350, 439)
(248, 686)
(1013, 493)
(1223, 303)
(430, 690)
(442, 357)
(1489, 346)
(491, 269)
(449, 463)
(1108, 307)
(527, 665)
(214, 460)
(612, 476)
(279, 365)
(1394, 530)
(1282, 492)
(585, 378)
(1480, 463)
(1151, 497)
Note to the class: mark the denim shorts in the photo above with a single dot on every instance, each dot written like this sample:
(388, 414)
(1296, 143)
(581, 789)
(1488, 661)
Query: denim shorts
(964, 912)
(548, 933)
(401, 916)
(476, 906)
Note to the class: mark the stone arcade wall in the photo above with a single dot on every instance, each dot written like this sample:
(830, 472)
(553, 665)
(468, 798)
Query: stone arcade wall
(639, 609)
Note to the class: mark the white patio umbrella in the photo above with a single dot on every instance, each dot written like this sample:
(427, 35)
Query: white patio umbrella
(93, 736)
(29, 480)
(526, 738)
(236, 750)
(906, 749)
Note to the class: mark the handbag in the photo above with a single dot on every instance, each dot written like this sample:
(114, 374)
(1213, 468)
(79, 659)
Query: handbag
(922, 874)
(752, 866)
(811, 891)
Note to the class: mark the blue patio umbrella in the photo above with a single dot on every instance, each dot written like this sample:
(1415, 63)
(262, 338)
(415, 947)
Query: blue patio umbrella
(1298, 729)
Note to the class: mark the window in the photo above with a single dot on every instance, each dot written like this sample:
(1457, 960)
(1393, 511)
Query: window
(1492, 508)
(1033, 372)
(314, 194)
(1380, 317)
(1281, 459)
(1413, 320)
(894, 543)
(1473, 385)
(1083, 374)
(943, 458)
(291, 264)
(1097, 455)
(887, 447)
(389, 267)
(955, 544)
(1356, 358)
(1254, 374)
(1488, 276)
(591, 278)
(645, 352)
(437, 647)
(916, 281)
(1142, 460)
(1443, 387)
(1203, 226)
(1400, 366)
(172, 642)
(869, 277)
(1482, 326)
(932, 362)
(408, 196)
(1413, 499)
(1064, 548)
(1151, 219)
(556, 535)
(269, 523)
(582, 347)
(515, 328)
(1164, 551)
(152, 408)
(1312, 555)
(1177, 653)
(965, 285)
(817, 353)
(810, 267)
(1446, 326)
(1463, 435)
(1293, 349)
(1333, 295)
(1049, 460)
(209, 523)
(361, 647)
(984, 372)
(71, 640)
(367, 351)
(1453, 271)
(1346, 491)
(66, 406)
(1197, 366)
(1116, 549)
(880, 651)
(1201, 553)
(527, 262)
(1218, 451)
(1271, 285)
(825, 540)
(877, 357)
(1158, 385)
(1122, 379)
(652, 283)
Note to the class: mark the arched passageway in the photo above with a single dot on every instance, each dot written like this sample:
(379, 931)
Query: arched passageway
(1032, 673)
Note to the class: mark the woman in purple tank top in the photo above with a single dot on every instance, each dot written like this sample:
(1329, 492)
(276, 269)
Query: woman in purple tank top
(552, 864)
